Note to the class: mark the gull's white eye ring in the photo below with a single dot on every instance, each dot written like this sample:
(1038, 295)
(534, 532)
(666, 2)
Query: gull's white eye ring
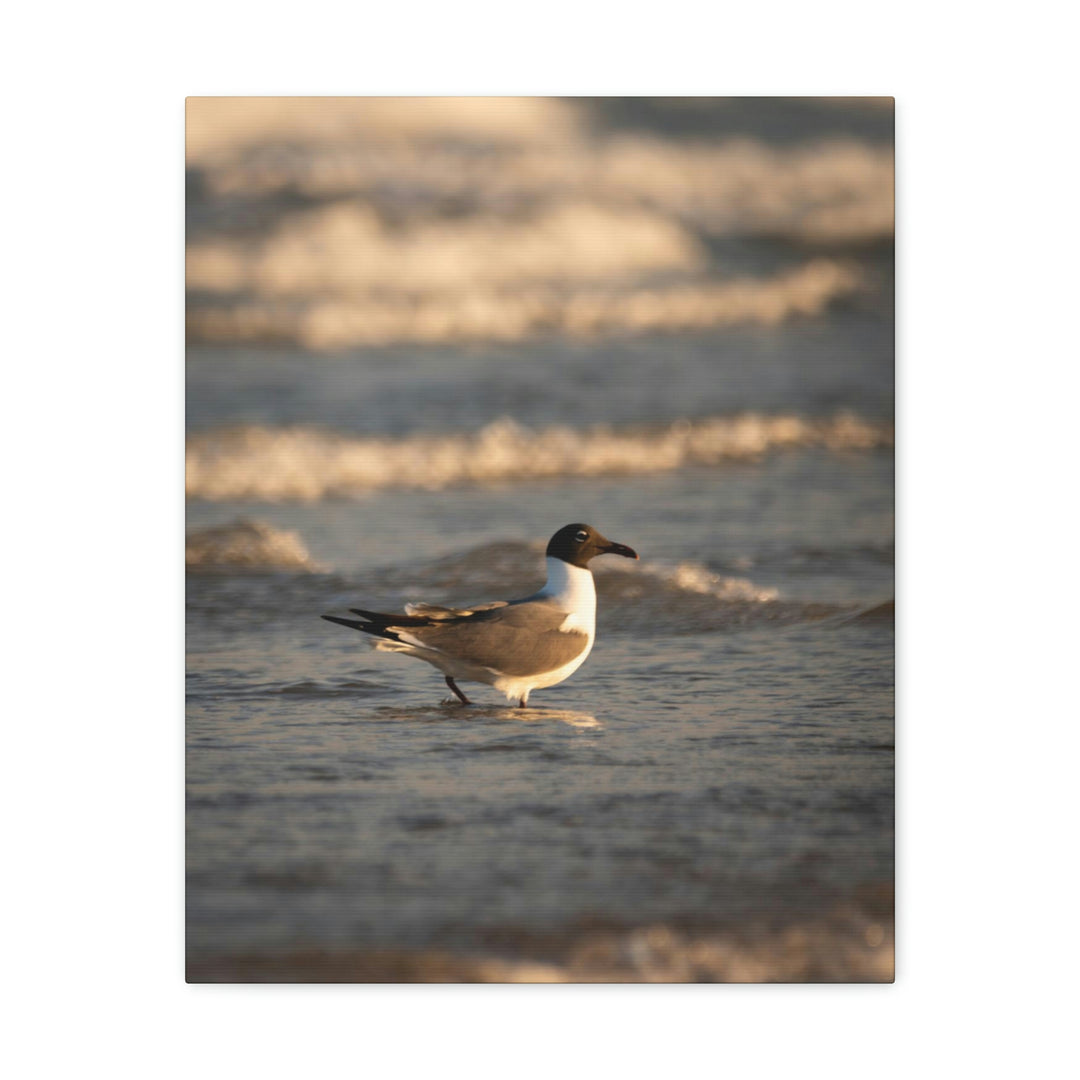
(581, 536)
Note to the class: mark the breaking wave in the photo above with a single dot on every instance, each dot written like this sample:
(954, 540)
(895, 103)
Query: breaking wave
(652, 597)
(247, 545)
(852, 943)
(335, 222)
(487, 312)
(498, 566)
(689, 598)
(687, 577)
(281, 463)
(497, 156)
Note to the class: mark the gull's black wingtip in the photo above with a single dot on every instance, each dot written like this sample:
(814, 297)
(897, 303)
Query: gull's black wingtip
(352, 624)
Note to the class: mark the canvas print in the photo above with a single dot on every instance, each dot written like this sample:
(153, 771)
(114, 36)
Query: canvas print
(539, 540)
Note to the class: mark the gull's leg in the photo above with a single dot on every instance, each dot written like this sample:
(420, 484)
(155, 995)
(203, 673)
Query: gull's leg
(523, 701)
(453, 686)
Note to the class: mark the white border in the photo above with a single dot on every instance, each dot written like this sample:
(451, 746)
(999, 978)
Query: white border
(987, 601)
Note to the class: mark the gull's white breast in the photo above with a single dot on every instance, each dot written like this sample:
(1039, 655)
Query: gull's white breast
(573, 590)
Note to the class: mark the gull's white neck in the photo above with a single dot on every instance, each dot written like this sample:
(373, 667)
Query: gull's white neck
(572, 588)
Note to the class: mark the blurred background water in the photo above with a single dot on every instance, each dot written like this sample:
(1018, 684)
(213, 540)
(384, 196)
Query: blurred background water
(423, 335)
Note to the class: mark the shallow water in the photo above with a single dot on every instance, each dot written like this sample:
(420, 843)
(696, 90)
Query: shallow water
(715, 778)
(723, 762)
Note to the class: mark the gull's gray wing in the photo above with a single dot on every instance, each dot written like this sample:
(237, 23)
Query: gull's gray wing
(438, 613)
(522, 638)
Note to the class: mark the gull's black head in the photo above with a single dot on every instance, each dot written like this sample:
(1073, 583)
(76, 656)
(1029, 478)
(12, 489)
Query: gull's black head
(577, 544)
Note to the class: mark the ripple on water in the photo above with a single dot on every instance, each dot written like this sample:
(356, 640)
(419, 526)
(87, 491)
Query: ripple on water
(305, 688)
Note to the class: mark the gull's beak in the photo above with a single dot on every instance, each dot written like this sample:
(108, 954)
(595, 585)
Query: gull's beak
(619, 549)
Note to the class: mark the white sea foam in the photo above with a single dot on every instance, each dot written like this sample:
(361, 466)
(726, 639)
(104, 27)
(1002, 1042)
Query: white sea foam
(247, 545)
(338, 222)
(498, 155)
(271, 463)
(846, 945)
(484, 311)
(692, 577)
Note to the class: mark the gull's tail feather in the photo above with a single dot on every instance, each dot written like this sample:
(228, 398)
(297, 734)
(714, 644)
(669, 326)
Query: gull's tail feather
(378, 629)
(378, 623)
(353, 624)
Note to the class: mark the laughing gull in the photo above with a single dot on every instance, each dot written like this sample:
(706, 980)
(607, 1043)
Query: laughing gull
(517, 646)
